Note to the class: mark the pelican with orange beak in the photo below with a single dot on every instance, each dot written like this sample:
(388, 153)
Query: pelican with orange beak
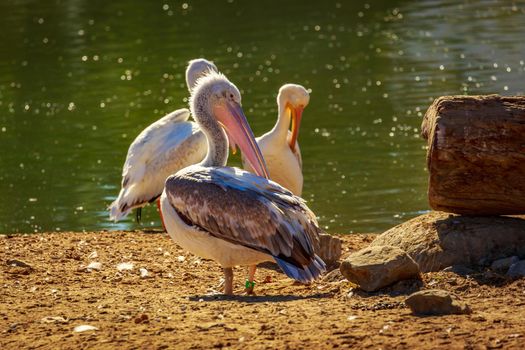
(279, 146)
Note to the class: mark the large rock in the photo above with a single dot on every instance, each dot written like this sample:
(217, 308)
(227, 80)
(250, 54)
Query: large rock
(436, 240)
(436, 302)
(376, 267)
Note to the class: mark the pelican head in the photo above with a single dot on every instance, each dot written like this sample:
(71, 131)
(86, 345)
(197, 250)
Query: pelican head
(196, 69)
(294, 98)
(215, 101)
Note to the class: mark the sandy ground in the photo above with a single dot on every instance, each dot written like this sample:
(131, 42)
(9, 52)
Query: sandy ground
(170, 305)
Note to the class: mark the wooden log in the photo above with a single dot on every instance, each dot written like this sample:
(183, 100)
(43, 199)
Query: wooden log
(476, 154)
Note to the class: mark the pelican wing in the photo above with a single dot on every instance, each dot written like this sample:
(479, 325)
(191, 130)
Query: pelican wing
(147, 145)
(245, 209)
(163, 148)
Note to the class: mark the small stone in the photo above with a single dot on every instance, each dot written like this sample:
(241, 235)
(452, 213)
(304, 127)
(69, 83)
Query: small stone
(517, 269)
(143, 273)
(125, 267)
(18, 263)
(94, 266)
(142, 318)
(436, 302)
(84, 328)
(53, 319)
(376, 267)
(333, 276)
(461, 270)
(504, 264)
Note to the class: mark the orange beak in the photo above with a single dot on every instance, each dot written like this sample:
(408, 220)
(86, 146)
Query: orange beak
(232, 119)
(297, 114)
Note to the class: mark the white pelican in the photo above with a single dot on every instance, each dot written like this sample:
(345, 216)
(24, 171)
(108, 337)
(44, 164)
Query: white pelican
(230, 215)
(279, 146)
(163, 148)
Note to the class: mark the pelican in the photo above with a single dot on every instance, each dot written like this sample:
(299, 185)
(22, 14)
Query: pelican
(279, 146)
(229, 215)
(166, 146)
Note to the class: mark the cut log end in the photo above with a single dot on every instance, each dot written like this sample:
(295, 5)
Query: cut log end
(476, 154)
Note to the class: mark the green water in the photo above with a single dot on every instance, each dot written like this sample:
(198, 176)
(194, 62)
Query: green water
(80, 79)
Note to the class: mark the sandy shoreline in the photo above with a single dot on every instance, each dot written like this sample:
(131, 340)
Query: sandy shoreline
(168, 307)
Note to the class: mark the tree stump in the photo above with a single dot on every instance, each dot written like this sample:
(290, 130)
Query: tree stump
(476, 154)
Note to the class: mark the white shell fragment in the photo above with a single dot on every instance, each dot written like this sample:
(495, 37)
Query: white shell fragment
(143, 273)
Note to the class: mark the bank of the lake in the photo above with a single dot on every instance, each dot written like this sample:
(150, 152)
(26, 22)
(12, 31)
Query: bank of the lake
(162, 302)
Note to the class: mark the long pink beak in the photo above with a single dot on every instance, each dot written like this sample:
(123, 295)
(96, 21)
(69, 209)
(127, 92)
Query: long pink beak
(239, 133)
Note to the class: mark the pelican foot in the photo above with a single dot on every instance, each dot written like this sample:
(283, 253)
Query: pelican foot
(249, 287)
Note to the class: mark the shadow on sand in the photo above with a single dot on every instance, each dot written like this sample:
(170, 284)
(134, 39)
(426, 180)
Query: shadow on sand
(259, 299)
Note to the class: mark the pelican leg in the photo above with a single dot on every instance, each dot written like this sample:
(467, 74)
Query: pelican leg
(138, 214)
(160, 214)
(228, 281)
(250, 283)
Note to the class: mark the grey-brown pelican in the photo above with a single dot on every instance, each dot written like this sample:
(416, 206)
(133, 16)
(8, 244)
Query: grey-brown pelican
(229, 215)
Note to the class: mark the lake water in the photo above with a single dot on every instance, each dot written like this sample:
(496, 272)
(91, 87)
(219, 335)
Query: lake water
(79, 79)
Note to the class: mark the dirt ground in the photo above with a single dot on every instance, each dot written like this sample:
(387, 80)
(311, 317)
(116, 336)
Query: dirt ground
(164, 302)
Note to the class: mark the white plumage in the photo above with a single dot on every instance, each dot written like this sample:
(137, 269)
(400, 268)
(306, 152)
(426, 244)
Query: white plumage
(284, 162)
(164, 147)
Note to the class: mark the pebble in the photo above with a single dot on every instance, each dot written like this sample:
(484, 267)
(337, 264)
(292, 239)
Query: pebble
(18, 263)
(143, 272)
(94, 266)
(517, 269)
(461, 270)
(125, 267)
(504, 264)
(84, 328)
(54, 319)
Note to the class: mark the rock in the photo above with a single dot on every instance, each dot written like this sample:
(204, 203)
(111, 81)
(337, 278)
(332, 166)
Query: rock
(329, 248)
(437, 240)
(504, 264)
(54, 319)
(18, 263)
(84, 328)
(436, 302)
(143, 273)
(333, 276)
(517, 270)
(125, 266)
(461, 270)
(94, 266)
(142, 318)
(376, 267)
